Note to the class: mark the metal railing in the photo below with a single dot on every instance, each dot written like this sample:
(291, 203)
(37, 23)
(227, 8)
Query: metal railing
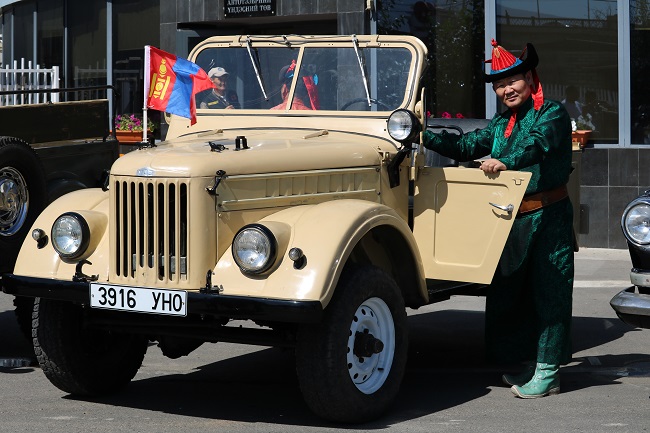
(15, 81)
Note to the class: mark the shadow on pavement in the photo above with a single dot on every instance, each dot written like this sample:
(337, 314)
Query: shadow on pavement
(15, 349)
(255, 387)
(445, 354)
(238, 389)
(454, 338)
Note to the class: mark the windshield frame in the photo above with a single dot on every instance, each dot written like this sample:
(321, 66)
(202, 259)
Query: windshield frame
(301, 47)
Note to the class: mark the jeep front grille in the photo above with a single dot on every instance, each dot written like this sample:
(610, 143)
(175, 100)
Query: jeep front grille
(150, 237)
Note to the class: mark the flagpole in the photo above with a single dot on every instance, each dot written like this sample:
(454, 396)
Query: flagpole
(147, 83)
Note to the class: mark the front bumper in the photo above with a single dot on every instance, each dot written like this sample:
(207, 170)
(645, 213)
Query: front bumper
(198, 304)
(632, 308)
(640, 277)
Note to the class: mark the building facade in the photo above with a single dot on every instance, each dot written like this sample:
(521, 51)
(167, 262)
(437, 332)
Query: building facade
(593, 58)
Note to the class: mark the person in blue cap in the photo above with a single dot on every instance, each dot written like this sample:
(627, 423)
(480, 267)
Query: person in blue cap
(528, 305)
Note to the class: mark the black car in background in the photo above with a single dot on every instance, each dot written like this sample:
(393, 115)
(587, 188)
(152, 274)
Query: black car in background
(632, 305)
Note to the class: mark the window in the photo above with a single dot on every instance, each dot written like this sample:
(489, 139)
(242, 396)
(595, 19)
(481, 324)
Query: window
(50, 33)
(639, 70)
(453, 32)
(243, 86)
(136, 23)
(578, 50)
(24, 33)
(328, 78)
(7, 54)
(86, 45)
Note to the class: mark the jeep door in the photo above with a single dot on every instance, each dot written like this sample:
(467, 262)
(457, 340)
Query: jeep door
(461, 220)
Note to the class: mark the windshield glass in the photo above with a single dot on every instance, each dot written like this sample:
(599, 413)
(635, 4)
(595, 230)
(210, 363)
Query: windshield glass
(328, 78)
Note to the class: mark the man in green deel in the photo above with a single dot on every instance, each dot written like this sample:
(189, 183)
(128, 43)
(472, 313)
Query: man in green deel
(528, 306)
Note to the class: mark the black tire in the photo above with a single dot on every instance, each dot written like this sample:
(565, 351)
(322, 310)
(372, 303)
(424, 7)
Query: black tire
(338, 384)
(78, 360)
(22, 174)
(24, 307)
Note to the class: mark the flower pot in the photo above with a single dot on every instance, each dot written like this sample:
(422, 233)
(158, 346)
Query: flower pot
(129, 140)
(581, 136)
(125, 137)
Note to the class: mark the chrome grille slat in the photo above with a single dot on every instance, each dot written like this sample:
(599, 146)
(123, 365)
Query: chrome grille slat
(151, 238)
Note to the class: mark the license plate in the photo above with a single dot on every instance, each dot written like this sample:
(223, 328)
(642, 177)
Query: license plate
(138, 299)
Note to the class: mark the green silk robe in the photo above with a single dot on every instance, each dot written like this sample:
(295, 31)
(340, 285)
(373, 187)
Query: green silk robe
(528, 306)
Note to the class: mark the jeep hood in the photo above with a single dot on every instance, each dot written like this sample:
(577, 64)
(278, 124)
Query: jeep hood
(200, 155)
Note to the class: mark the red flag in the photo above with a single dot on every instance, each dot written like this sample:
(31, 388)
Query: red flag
(171, 83)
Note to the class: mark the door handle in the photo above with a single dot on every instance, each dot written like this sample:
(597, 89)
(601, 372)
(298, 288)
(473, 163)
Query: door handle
(508, 208)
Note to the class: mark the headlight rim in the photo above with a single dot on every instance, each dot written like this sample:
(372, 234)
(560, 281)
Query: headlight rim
(416, 127)
(641, 200)
(273, 250)
(85, 233)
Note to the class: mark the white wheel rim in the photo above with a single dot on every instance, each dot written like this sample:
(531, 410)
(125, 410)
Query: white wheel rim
(369, 373)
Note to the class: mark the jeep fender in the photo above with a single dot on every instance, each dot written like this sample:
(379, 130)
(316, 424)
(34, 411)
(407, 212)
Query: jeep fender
(45, 262)
(332, 235)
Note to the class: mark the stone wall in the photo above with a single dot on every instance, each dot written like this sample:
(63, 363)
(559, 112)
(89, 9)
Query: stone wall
(350, 15)
(609, 179)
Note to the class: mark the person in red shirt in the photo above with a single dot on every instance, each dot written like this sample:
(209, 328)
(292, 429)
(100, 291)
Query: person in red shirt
(306, 94)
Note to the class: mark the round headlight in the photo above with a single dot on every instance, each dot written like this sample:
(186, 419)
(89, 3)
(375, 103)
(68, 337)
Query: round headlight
(403, 125)
(636, 222)
(254, 249)
(70, 235)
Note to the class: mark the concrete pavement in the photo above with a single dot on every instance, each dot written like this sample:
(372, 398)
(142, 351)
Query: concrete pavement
(447, 386)
(598, 267)
(599, 273)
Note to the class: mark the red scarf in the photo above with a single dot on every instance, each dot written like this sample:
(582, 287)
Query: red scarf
(312, 91)
(538, 100)
(310, 85)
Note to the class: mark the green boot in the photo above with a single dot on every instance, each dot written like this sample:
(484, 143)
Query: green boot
(545, 381)
(521, 378)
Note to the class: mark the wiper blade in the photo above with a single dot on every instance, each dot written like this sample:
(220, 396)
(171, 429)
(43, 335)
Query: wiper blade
(255, 63)
(355, 43)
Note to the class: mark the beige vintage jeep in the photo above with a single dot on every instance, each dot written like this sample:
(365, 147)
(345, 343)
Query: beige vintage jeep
(319, 226)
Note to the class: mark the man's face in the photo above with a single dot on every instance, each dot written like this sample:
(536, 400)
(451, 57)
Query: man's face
(220, 84)
(515, 90)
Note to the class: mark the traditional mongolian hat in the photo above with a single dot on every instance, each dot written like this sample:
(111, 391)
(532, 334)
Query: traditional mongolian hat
(504, 64)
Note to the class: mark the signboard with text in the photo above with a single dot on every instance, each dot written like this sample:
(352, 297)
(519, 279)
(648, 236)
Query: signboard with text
(248, 8)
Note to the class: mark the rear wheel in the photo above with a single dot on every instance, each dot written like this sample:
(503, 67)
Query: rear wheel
(79, 360)
(350, 366)
(23, 196)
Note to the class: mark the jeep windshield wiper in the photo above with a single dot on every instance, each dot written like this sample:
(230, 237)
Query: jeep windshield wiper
(255, 61)
(355, 43)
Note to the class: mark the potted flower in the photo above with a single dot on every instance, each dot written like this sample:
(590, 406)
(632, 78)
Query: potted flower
(581, 129)
(128, 128)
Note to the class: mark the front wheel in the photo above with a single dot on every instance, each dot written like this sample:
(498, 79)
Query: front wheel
(79, 360)
(23, 311)
(350, 366)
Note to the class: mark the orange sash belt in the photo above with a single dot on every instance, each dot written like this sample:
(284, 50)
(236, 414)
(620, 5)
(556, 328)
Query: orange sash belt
(538, 200)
